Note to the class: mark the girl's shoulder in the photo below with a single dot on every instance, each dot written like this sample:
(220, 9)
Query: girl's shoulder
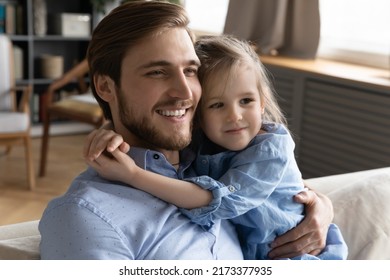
(274, 137)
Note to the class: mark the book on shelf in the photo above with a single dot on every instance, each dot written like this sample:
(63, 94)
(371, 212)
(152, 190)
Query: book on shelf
(9, 17)
(2, 18)
(19, 19)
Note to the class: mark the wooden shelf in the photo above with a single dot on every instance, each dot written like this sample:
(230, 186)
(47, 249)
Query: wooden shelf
(362, 75)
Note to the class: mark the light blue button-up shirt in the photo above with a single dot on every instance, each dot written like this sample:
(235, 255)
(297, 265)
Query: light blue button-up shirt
(98, 219)
(255, 188)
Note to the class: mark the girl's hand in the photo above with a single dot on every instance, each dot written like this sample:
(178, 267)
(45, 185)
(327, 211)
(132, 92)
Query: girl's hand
(117, 166)
(101, 140)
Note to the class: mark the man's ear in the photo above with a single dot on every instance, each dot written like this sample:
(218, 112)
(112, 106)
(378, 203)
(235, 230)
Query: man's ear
(105, 87)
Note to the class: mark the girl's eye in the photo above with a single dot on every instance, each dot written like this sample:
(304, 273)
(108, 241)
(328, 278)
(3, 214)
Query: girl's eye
(246, 100)
(216, 105)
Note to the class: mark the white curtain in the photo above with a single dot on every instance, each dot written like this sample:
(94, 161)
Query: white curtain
(286, 27)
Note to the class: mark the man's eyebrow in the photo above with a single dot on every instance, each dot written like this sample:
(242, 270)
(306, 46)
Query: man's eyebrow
(195, 62)
(166, 63)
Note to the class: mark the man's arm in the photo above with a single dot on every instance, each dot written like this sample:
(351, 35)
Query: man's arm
(309, 237)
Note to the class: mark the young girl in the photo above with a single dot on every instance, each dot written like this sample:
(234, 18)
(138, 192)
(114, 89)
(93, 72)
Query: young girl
(249, 175)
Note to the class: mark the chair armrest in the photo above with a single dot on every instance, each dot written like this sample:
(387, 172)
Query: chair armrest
(24, 103)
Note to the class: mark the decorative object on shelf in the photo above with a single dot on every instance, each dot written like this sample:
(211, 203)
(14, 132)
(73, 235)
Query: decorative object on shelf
(40, 17)
(70, 24)
(52, 66)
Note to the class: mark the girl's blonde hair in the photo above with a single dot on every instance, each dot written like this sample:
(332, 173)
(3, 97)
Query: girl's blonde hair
(220, 56)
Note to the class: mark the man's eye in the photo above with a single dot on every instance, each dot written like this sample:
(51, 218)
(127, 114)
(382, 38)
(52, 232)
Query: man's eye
(155, 73)
(191, 71)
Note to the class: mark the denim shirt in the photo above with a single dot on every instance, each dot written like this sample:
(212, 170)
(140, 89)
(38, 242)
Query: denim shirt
(254, 188)
(99, 219)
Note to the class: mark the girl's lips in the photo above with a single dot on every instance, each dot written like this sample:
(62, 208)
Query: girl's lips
(235, 130)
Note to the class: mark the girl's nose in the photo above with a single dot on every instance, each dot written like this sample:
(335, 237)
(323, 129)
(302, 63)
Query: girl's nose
(234, 114)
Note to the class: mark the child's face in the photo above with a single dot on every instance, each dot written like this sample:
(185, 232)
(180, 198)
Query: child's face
(232, 112)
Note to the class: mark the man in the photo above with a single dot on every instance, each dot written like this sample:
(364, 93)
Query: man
(143, 69)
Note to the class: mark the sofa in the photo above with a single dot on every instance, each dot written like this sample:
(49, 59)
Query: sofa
(361, 202)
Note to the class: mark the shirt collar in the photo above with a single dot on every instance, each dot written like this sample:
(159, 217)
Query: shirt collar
(156, 162)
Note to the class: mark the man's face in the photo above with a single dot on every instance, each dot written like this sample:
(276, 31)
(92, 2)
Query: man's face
(159, 91)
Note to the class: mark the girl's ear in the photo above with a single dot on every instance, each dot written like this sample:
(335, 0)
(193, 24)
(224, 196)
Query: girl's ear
(105, 87)
(262, 107)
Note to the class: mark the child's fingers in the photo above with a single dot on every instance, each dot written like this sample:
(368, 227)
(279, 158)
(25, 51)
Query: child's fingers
(119, 155)
(115, 142)
(124, 147)
(87, 143)
(99, 141)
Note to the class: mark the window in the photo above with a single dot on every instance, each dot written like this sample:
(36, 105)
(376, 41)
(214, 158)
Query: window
(356, 31)
(207, 16)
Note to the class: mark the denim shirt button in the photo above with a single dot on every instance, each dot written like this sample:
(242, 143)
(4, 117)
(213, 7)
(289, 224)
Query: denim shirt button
(204, 161)
(156, 156)
(232, 189)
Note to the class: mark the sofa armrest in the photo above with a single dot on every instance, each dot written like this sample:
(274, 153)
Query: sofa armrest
(361, 202)
(20, 241)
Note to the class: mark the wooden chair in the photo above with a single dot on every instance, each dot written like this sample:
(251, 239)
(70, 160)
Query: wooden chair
(15, 118)
(82, 107)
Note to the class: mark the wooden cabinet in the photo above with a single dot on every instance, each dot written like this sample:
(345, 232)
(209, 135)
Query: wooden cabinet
(340, 122)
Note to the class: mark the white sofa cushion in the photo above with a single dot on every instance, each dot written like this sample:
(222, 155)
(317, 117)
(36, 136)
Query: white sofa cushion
(20, 241)
(361, 204)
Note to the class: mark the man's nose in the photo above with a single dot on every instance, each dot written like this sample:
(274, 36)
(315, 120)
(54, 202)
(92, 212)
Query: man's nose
(181, 87)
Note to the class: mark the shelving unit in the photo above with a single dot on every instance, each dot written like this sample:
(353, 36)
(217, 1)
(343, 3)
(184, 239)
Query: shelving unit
(72, 49)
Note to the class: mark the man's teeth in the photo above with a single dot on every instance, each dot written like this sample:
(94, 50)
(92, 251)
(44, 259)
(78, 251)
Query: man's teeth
(173, 113)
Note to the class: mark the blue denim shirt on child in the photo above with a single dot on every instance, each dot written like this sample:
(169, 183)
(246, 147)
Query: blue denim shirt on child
(254, 188)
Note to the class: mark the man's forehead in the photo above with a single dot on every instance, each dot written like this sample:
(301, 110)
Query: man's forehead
(166, 48)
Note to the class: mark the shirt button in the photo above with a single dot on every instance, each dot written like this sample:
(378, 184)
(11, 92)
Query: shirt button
(232, 189)
(204, 161)
(156, 156)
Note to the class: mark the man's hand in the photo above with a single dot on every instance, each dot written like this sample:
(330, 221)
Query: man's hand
(309, 237)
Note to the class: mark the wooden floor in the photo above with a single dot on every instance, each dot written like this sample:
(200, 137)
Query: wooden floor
(17, 202)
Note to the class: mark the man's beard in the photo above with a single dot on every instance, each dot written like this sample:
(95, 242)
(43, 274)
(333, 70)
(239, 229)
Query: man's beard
(146, 131)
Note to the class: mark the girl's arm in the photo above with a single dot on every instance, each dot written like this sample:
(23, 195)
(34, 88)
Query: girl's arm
(120, 167)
